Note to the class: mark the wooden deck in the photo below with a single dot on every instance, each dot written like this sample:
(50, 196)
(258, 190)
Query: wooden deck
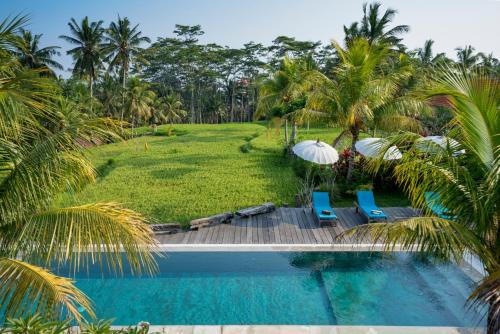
(283, 226)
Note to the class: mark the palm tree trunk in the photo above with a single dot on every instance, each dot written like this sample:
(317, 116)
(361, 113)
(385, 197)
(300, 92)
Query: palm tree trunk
(232, 102)
(193, 115)
(123, 99)
(352, 155)
(91, 88)
(294, 134)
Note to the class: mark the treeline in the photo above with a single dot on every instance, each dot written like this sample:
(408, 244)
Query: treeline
(117, 72)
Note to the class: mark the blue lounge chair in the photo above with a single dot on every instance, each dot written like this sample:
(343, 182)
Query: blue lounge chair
(366, 203)
(322, 209)
(433, 201)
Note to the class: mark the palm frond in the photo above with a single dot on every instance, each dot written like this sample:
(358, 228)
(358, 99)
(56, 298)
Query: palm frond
(431, 235)
(102, 233)
(488, 294)
(28, 289)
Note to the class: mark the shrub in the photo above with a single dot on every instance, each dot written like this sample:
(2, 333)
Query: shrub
(35, 324)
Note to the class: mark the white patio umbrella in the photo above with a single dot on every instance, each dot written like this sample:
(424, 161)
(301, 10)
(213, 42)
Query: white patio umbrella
(442, 141)
(316, 151)
(371, 148)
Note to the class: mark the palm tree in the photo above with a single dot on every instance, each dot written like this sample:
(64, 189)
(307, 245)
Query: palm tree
(140, 101)
(283, 91)
(468, 184)
(489, 63)
(466, 56)
(173, 109)
(426, 56)
(87, 54)
(364, 93)
(108, 94)
(40, 156)
(31, 55)
(373, 26)
(123, 48)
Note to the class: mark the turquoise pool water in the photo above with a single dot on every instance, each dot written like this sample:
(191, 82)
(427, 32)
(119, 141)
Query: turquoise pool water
(315, 288)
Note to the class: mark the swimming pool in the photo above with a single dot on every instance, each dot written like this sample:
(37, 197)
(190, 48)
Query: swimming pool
(295, 288)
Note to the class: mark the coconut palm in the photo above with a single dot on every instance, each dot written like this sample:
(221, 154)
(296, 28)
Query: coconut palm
(365, 92)
(88, 55)
(173, 109)
(31, 55)
(140, 101)
(489, 63)
(40, 156)
(426, 55)
(281, 92)
(468, 184)
(374, 26)
(466, 56)
(122, 48)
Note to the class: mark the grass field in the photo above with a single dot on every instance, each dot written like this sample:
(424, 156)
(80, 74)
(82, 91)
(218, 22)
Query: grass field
(199, 171)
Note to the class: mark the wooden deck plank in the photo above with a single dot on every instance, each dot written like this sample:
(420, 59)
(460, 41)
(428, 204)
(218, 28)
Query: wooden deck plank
(301, 233)
(292, 235)
(276, 226)
(283, 226)
(249, 230)
(307, 227)
(301, 226)
(265, 229)
(314, 228)
(243, 231)
(283, 231)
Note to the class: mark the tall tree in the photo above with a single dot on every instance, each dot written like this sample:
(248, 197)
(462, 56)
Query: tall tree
(31, 55)
(489, 63)
(172, 109)
(426, 55)
(466, 56)
(374, 26)
(87, 54)
(122, 48)
(467, 184)
(364, 93)
(140, 101)
(283, 92)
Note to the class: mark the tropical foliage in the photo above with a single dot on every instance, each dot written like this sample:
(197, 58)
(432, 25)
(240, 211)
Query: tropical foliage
(365, 92)
(41, 155)
(370, 85)
(468, 185)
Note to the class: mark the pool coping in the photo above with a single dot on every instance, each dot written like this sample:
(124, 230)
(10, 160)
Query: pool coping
(298, 329)
(277, 247)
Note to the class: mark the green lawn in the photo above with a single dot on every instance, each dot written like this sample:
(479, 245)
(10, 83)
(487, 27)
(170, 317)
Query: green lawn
(199, 171)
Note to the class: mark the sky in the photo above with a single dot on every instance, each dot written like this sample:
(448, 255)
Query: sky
(450, 23)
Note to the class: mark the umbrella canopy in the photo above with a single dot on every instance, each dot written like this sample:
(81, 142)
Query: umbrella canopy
(371, 147)
(442, 141)
(316, 151)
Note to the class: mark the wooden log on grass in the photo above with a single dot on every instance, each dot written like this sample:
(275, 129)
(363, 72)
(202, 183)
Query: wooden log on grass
(256, 210)
(221, 218)
(169, 228)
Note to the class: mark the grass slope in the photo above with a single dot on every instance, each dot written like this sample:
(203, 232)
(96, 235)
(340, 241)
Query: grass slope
(200, 171)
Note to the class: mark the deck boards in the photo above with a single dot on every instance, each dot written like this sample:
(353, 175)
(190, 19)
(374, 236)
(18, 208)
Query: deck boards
(283, 226)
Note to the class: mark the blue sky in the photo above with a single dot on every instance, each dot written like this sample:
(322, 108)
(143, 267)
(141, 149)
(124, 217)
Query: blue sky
(450, 23)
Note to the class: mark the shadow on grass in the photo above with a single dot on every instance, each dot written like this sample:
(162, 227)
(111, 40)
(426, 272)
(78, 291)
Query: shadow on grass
(103, 170)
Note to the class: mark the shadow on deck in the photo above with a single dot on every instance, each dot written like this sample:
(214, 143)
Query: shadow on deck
(283, 226)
